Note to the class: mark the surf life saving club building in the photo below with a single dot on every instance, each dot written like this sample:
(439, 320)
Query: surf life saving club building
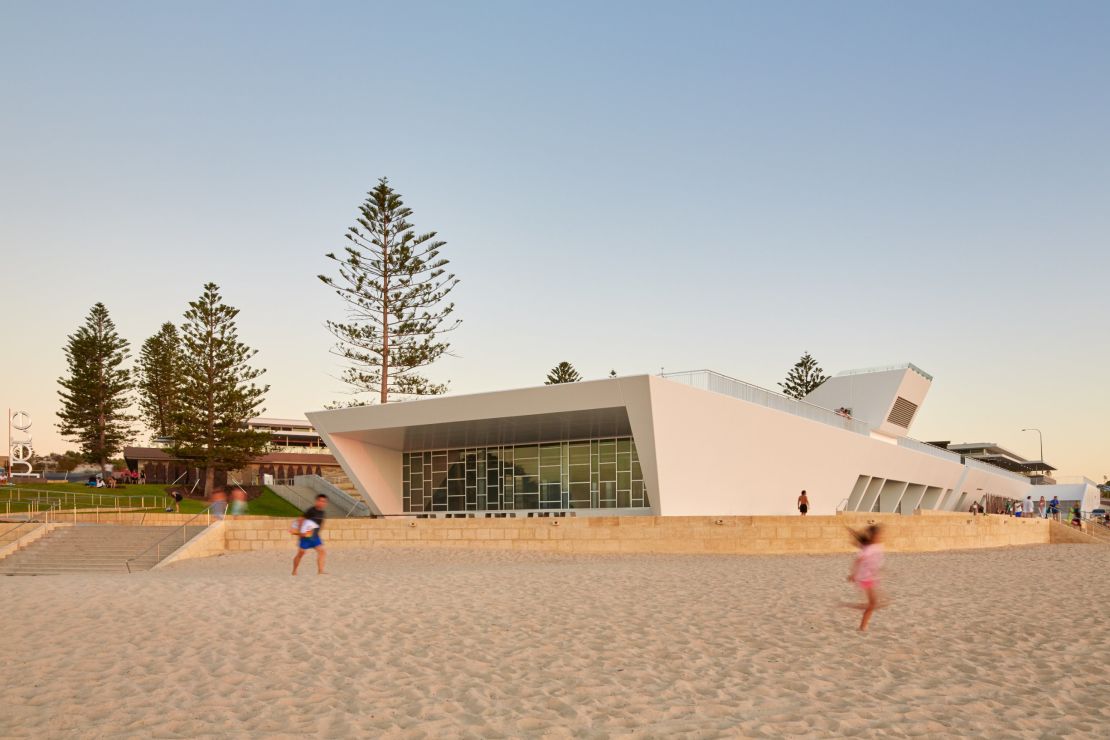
(682, 444)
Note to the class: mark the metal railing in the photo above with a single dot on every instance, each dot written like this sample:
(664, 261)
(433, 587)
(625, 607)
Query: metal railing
(916, 444)
(709, 380)
(14, 534)
(184, 532)
(86, 499)
(519, 513)
(351, 504)
(885, 368)
(1074, 479)
(34, 509)
(971, 462)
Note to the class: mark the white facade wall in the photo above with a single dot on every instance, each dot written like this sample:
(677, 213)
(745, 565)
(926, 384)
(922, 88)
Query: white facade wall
(719, 455)
(702, 453)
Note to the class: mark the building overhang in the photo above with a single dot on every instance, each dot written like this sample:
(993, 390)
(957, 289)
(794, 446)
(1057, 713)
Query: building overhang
(514, 430)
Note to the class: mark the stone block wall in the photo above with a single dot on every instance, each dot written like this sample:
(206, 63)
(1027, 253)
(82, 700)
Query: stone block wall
(768, 535)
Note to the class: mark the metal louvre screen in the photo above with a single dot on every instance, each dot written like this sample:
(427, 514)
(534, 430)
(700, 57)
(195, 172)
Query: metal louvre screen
(902, 413)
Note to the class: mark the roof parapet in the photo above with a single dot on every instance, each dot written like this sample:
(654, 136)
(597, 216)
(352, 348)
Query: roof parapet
(886, 368)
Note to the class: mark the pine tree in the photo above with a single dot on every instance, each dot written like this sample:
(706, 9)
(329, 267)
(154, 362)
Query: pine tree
(394, 283)
(803, 378)
(159, 380)
(94, 393)
(218, 393)
(564, 372)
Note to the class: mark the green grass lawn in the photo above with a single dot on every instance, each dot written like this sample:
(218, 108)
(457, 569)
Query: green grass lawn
(148, 489)
(85, 497)
(268, 504)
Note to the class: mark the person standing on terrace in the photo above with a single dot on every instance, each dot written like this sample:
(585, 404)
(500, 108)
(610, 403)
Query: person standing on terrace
(803, 503)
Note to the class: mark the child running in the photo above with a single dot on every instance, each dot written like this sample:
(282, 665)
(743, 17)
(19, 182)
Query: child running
(865, 569)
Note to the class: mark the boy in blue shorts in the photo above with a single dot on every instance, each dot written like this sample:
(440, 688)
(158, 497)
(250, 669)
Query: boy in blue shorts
(308, 527)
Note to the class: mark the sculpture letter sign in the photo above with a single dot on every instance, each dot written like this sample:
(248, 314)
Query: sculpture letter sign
(21, 450)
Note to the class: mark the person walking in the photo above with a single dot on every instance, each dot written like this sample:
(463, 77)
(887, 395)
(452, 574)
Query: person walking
(1054, 508)
(1076, 517)
(219, 503)
(1042, 508)
(238, 502)
(803, 503)
(308, 527)
(1030, 508)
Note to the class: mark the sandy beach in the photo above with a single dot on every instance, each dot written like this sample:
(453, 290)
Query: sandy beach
(441, 643)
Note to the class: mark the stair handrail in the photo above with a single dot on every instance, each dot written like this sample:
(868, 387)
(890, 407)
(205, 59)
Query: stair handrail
(47, 513)
(337, 495)
(7, 535)
(206, 513)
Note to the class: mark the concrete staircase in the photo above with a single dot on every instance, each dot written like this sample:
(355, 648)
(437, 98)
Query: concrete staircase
(96, 548)
(344, 500)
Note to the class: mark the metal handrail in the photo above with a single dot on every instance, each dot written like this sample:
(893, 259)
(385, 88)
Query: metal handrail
(336, 495)
(885, 368)
(7, 539)
(519, 513)
(996, 469)
(47, 512)
(916, 444)
(88, 497)
(157, 546)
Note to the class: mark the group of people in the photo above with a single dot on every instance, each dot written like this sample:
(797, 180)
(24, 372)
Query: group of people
(111, 480)
(220, 502)
(1029, 509)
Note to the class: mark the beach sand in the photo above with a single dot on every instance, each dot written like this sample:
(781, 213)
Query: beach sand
(441, 643)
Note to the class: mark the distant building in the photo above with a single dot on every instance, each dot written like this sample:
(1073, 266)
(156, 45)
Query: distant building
(295, 449)
(289, 435)
(1038, 471)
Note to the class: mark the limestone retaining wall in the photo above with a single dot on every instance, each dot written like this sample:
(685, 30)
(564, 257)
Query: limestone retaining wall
(212, 541)
(637, 534)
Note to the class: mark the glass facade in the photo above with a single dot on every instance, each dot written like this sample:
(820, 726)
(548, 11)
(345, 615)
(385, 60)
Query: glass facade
(587, 474)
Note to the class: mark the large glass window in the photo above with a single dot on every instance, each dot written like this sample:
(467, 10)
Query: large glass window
(586, 474)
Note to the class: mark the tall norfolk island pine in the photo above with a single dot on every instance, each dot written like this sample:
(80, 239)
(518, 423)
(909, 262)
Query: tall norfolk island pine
(158, 379)
(218, 393)
(803, 378)
(394, 284)
(95, 389)
(564, 372)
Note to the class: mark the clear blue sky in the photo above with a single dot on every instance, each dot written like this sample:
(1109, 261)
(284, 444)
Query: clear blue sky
(621, 185)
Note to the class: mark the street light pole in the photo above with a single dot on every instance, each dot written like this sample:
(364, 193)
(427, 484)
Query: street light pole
(1040, 437)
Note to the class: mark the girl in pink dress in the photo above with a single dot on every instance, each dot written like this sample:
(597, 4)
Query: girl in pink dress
(865, 569)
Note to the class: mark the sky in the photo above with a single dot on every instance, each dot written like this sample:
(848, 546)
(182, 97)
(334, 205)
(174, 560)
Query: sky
(629, 186)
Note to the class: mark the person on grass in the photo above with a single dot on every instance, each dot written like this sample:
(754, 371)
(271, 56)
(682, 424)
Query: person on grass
(865, 569)
(307, 528)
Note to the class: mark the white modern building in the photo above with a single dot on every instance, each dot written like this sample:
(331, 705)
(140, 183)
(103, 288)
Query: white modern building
(696, 443)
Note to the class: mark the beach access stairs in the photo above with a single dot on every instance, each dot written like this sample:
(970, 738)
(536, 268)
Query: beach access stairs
(76, 549)
(343, 500)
